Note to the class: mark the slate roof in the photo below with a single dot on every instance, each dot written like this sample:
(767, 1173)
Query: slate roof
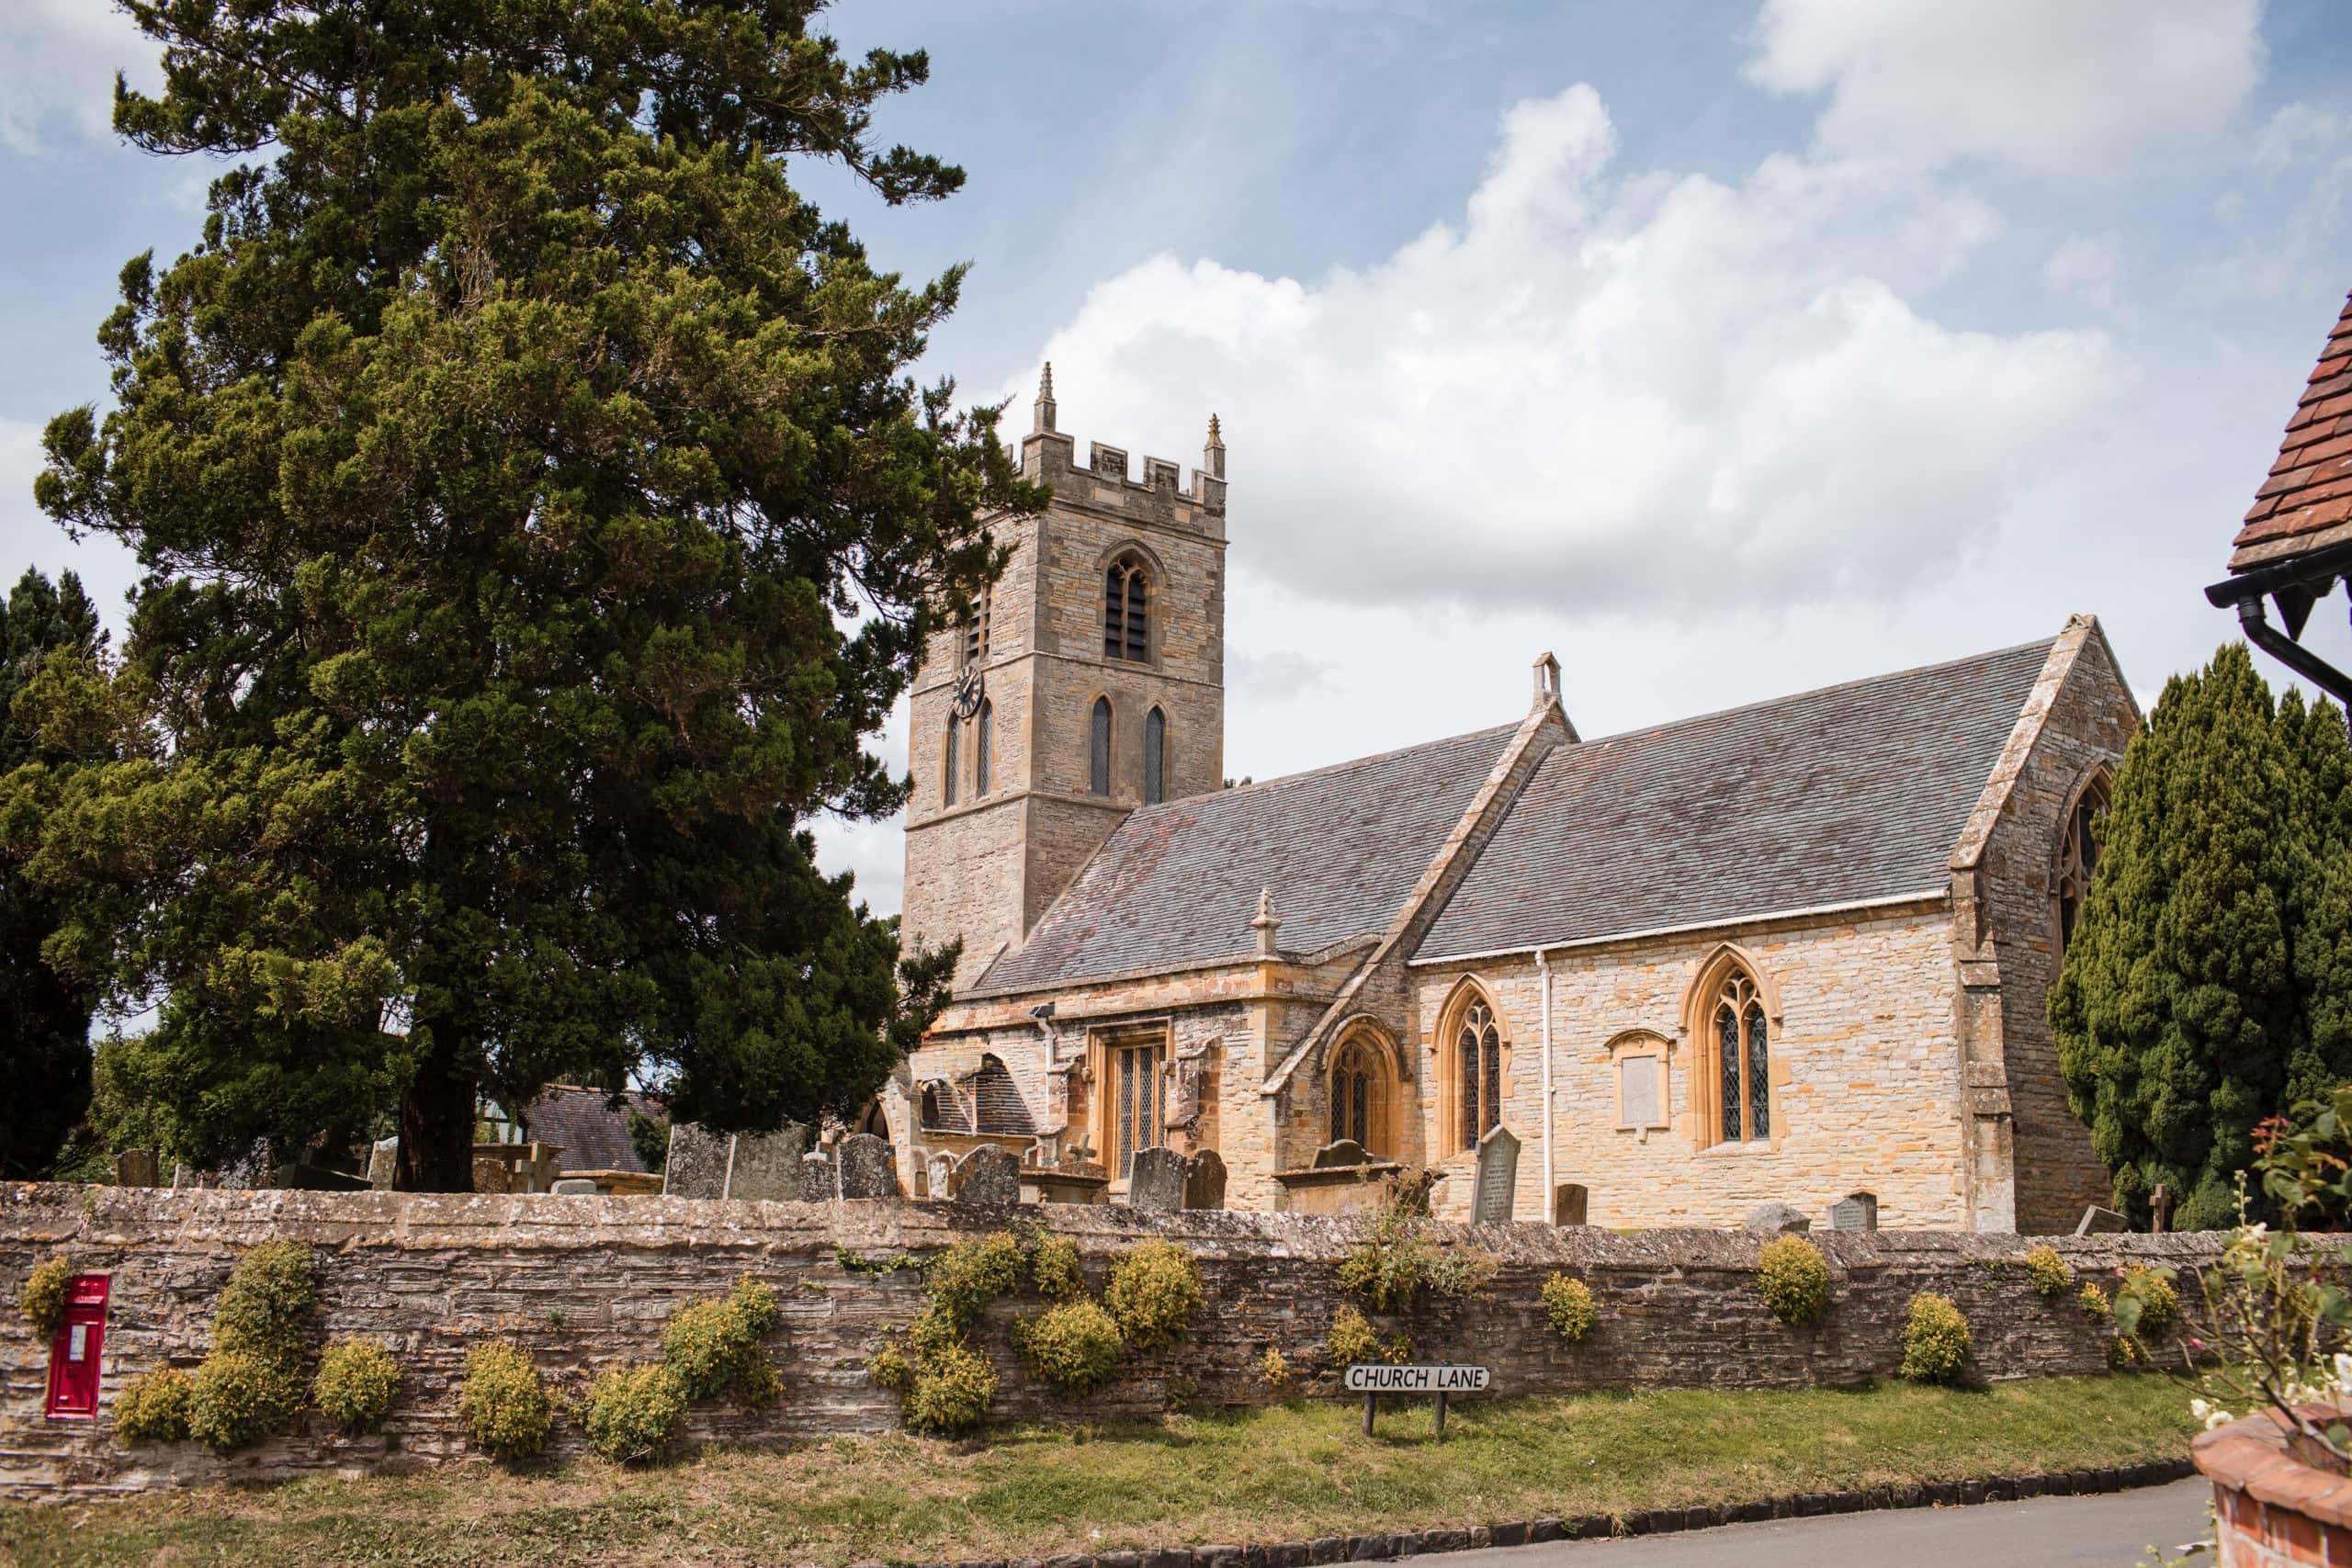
(1177, 884)
(1834, 796)
(593, 1138)
(2309, 487)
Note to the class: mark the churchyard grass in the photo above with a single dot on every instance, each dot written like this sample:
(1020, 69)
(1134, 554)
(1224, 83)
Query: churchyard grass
(1265, 1475)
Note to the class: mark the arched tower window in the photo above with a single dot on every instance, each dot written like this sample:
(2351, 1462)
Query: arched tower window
(948, 758)
(1098, 763)
(1155, 757)
(976, 634)
(1125, 631)
(1363, 1095)
(1743, 1060)
(2078, 855)
(983, 740)
(1473, 1080)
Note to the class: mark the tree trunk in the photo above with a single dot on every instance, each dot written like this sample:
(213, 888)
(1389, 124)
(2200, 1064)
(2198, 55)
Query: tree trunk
(438, 1120)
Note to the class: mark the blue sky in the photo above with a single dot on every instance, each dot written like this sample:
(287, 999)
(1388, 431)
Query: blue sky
(1723, 349)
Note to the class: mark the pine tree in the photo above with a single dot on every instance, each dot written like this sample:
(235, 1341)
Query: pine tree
(2206, 985)
(44, 1016)
(536, 515)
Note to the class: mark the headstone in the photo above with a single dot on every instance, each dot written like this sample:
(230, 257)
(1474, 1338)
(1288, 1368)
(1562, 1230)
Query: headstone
(1854, 1212)
(574, 1186)
(987, 1174)
(1346, 1152)
(137, 1168)
(698, 1163)
(1490, 1202)
(1157, 1179)
(383, 1162)
(1777, 1219)
(537, 1169)
(2160, 1208)
(1204, 1180)
(868, 1169)
(817, 1184)
(767, 1165)
(250, 1173)
(1568, 1203)
(2096, 1221)
(493, 1176)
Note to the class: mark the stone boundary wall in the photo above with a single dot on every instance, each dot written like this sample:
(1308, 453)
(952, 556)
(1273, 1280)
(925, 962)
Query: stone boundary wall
(587, 1283)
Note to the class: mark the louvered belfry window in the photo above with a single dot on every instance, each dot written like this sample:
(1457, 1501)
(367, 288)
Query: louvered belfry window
(1098, 760)
(1479, 1049)
(1125, 628)
(1137, 1113)
(1743, 1063)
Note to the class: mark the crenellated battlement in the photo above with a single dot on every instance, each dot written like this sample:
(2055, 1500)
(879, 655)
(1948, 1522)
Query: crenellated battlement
(1161, 496)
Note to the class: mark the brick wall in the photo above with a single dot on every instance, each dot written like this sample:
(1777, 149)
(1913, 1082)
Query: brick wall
(588, 1283)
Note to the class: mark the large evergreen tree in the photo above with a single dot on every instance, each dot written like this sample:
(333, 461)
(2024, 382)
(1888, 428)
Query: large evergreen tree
(536, 515)
(44, 1016)
(2209, 982)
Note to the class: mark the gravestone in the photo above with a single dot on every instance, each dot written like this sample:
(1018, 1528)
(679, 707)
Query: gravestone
(987, 1174)
(383, 1162)
(1157, 1179)
(1490, 1201)
(137, 1168)
(1777, 1219)
(1568, 1203)
(698, 1163)
(1346, 1152)
(1204, 1180)
(767, 1165)
(1854, 1212)
(574, 1186)
(868, 1169)
(493, 1176)
(537, 1169)
(2096, 1221)
(818, 1183)
(2160, 1208)
(250, 1173)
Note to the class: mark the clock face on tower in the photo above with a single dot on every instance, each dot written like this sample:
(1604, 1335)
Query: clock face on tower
(968, 693)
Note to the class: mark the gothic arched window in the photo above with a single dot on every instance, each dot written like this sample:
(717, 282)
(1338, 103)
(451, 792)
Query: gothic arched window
(1124, 627)
(1098, 761)
(2078, 856)
(1155, 757)
(948, 759)
(1361, 1093)
(1477, 1080)
(1743, 1060)
(983, 738)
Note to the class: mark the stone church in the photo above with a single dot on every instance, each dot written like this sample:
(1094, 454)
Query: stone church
(1792, 952)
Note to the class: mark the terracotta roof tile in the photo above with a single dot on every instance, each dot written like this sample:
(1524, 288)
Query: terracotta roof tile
(2304, 493)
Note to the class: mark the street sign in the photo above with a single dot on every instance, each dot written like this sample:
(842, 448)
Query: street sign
(1373, 1378)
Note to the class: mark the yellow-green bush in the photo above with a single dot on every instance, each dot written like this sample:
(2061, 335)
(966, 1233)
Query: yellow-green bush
(1568, 1304)
(1397, 1261)
(2159, 1304)
(1073, 1345)
(633, 1412)
(951, 1391)
(355, 1383)
(1935, 1341)
(43, 1300)
(1350, 1340)
(236, 1399)
(1054, 1270)
(889, 1368)
(265, 1307)
(1154, 1291)
(503, 1403)
(714, 1347)
(968, 1276)
(2049, 1273)
(1793, 1278)
(2123, 1354)
(1275, 1372)
(2093, 1302)
(154, 1407)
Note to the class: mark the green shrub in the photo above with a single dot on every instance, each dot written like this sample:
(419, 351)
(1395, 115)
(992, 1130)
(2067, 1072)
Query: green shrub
(714, 1347)
(42, 1300)
(265, 1307)
(1074, 1346)
(1275, 1372)
(154, 1407)
(952, 1392)
(1568, 1304)
(2093, 1302)
(1934, 1342)
(236, 1399)
(1397, 1261)
(2156, 1304)
(1054, 1270)
(2123, 1354)
(1795, 1280)
(1154, 1291)
(633, 1412)
(968, 1276)
(503, 1403)
(1400, 1349)
(355, 1383)
(1350, 1340)
(889, 1368)
(2049, 1272)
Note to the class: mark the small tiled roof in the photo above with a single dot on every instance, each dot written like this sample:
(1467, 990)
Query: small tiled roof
(591, 1137)
(1836, 796)
(1341, 848)
(2309, 487)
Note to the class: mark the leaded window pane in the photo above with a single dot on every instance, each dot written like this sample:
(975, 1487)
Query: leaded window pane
(1493, 1109)
(1362, 1126)
(1727, 1033)
(947, 767)
(1759, 1077)
(983, 737)
(1098, 777)
(1155, 744)
(1469, 1052)
(1126, 1113)
(1114, 612)
(1135, 647)
(1338, 1110)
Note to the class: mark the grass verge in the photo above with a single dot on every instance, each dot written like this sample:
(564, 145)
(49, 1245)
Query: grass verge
(1263, 1476)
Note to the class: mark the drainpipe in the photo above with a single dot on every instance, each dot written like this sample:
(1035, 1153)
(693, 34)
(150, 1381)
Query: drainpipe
(1543, 968)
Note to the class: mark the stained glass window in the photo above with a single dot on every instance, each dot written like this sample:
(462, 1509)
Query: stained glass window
(1125, 627)
(1745, 1077)
(1098, 766)
(1480, 1048)
(1759, 1076)
(1154, 751)
(1727, 1023)
(2079, 857)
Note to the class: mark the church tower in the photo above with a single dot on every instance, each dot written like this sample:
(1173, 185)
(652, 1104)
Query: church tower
(1091, 681)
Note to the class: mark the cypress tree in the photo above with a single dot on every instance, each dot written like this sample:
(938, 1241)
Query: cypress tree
(536, 515)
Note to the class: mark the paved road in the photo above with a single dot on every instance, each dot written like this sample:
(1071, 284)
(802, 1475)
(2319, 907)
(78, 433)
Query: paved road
(2112, 1531)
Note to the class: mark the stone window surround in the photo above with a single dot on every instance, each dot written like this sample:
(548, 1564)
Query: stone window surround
(1698, 1026)
(1643, 1043)
(1134, 554)
(2099, 779)
(1102, 1089)
(1446, 1047)
(1384, 1109)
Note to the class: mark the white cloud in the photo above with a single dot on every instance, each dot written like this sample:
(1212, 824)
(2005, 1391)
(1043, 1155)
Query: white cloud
(58, 59)
(2071, 85)
(2087, 267)
(1600, 387)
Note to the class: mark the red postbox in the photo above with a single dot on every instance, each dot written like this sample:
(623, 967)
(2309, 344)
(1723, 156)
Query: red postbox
(73, 1354)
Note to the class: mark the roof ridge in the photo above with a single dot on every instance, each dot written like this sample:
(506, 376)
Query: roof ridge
(1368, 758)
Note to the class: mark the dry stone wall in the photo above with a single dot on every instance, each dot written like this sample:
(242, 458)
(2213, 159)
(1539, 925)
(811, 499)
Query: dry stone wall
(585, 1284)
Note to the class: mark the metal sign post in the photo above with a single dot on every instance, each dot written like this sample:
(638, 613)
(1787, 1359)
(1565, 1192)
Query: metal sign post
(1373, 1379)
